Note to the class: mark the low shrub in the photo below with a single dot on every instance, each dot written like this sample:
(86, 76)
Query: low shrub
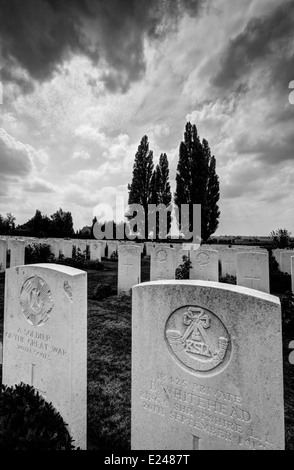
(287, 307)
(81, 263)
(228, 279)
(102, 291)
(28, 422)
(182, 271)
(38, 253)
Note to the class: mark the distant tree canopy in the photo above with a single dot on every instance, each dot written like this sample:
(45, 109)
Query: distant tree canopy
(59, 224)
(197, 181)
(281, 238)
(7, 224)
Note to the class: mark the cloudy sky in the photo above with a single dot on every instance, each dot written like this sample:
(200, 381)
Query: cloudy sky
(84, 80)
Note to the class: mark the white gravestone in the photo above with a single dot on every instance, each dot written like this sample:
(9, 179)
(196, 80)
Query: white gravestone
(54, 247)
(103, 247)
(45, 338)
(204, 265)
(81, 247)
(285, 261)
(95, 250)
(253, 270)
(292, 273)
(276, 254)
(207, 368)
(129, 268)
(112, 248)
(228, 261)
(180, 252)
(17, 252)
(163, 263)
(66, 248)
(3, 255)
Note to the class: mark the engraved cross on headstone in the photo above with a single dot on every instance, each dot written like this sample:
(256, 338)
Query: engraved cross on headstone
(252, 278)
(33, 373)
(128, 265)
(229, 265)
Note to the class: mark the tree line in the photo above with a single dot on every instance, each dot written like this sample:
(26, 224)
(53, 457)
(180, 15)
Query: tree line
(59, 224)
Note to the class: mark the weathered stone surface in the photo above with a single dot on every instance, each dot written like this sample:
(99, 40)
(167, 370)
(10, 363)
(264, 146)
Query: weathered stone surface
(66, 248)
(253, 270)
(95, 250)
(17, 252)
(204, 264)
(292, 273)
(285, 261)
(207, 370)
(3, 255)
(163, 263)
(129, 268)
(45, 337)
(228, 261)
(112, 248)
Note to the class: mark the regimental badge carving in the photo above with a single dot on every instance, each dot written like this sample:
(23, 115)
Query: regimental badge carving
(36, 301)
(161, 255)
(68, 290)
(202, 258)
(198, 339)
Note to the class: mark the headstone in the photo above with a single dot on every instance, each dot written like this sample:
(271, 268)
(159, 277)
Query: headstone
(45, 338)
(95, 251)
(292, 273)
(228, 261)
(112, 248)
(253, 270)
(204, 265)
(3, 255)
(81, 247)
(103, 247)
(276, 254)
(148, 246)
(163, 263)
(17, 252)
(54, 247)
(285, 261)
(180, 252)
(207, 368)
(66, 248)
(129, 268)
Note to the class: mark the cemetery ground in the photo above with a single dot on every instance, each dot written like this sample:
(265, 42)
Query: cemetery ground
(109, 362)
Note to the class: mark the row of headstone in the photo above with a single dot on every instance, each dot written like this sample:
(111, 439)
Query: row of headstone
(57, 247)
(250, 268)
(206, 357)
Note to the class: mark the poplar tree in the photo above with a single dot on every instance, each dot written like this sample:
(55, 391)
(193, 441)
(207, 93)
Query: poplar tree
(197, 181)
(140, 189)
(161, 192)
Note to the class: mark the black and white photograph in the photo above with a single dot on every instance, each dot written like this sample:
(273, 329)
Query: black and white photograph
(146, 227)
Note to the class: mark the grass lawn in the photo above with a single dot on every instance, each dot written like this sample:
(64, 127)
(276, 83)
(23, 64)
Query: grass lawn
(109, 364)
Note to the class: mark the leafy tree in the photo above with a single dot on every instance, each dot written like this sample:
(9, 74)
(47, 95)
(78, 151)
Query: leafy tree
(62, 224)
(7, 224)
(281, 238)
(140, 189)
(161, 193)
(197, 181)
(39, 225)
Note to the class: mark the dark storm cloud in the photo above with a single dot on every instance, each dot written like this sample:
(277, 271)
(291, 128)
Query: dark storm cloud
(268, 40)
(40, 34)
